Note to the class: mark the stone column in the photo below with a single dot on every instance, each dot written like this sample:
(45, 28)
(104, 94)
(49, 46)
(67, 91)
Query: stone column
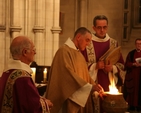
(83, 13)
(56, 28)
(15, 27)
(39, 31)
(2, 15)
(2, 35)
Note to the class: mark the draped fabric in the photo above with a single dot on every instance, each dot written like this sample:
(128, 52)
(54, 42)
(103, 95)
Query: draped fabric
(68, 74)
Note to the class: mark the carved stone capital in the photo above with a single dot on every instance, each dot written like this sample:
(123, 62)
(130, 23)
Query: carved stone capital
(56, 30)
(15, 29)
(38, 29)
(2, 28)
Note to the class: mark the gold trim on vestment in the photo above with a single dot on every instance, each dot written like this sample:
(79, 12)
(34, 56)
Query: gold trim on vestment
(7, 103)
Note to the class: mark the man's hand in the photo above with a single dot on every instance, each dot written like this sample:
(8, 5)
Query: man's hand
(100, 64)
(102, 95)
(108, 68)
(100, 90)
(97, 88)
(136, 64)
(50, 104)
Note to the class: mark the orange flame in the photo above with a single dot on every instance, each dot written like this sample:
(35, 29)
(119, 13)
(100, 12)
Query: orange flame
(112, 87)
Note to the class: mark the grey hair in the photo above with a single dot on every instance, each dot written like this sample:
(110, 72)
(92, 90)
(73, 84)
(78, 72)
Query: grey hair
(81, 30)
(99, 17)
(17, 48)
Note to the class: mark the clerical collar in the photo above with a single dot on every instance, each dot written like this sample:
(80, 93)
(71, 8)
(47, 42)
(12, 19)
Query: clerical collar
(138, 50)
(76, 47)
(70, 43)
(99, 37)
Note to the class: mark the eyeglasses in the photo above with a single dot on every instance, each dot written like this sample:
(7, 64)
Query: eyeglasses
(138, 43)
(101, 27)
(33, 49)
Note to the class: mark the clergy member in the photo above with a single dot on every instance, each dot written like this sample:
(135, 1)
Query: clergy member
(18, 93)
(70, 85)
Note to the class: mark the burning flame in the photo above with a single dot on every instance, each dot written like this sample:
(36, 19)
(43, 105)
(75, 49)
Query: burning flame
(112, 88)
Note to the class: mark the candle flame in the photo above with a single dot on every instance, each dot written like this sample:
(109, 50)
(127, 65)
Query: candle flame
(45, 69)
(45, 75)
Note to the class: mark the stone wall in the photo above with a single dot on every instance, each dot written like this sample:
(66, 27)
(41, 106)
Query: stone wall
(76, 11)
(37, 19)
(41, 21)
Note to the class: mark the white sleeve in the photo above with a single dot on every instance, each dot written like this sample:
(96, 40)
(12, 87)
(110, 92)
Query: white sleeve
(93, 71)
(81, 95)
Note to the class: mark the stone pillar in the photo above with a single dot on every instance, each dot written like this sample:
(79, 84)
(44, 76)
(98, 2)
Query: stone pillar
(2, 35)
(83, 13)
(2, 15)
(15, 27)
(49, 35)
(39, 31)
(56, 28)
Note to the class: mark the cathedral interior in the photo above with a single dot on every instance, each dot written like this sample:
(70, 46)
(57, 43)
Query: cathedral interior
(50, 22)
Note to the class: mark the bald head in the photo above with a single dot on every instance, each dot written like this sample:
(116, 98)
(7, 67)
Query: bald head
(18, 44)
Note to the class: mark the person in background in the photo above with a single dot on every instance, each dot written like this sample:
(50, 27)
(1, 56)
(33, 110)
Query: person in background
(18, 93)
(70, 86)
(132, 84)
(100, 44)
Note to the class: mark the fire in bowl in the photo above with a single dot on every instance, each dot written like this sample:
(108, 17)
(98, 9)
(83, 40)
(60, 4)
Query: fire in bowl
(114, 103)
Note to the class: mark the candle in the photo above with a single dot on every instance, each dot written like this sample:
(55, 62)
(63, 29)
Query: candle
(33, 74)
(45, 74)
